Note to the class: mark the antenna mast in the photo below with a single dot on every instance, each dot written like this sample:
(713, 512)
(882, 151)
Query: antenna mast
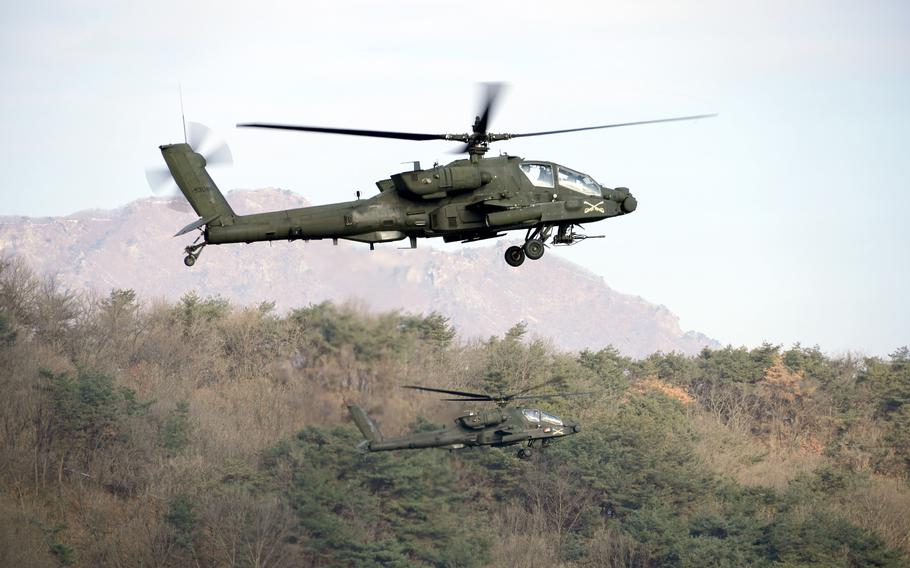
(182, 115)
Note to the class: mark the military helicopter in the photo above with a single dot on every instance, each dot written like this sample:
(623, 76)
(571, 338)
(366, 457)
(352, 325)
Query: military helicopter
(504, 426)
(465, 200)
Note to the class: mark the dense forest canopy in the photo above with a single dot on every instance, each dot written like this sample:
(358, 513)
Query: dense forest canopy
(138, 432)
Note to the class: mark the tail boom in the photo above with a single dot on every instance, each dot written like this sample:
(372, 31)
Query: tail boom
(366, 426)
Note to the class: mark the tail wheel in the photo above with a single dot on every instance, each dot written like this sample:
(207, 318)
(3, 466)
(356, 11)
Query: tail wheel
(192, 252)
(525, 453)
(515, 256)
(534, 249)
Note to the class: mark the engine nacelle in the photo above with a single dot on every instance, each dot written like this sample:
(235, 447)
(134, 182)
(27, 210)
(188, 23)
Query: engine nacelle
(478, 420)
(441, 180)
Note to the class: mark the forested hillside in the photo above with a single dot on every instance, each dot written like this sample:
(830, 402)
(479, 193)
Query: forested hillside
(200, 433)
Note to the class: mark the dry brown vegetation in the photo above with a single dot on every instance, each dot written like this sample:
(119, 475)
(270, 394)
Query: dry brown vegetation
(147, 433)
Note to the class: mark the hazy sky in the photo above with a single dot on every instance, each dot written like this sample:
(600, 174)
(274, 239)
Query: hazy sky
(784, 219)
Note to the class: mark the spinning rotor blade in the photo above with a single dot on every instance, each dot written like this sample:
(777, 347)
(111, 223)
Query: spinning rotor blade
(475, 142)
(493, 90)
(548, 396)
(160, 180)
(526, 134)
(465, 396)
(500, 400)
(533, 387)
(197, 135)
(163, 185)
(480, 125)
(469, 395)
(482, 122)
(204, 141)
(348, 131)
(220, 156)
(511, 398)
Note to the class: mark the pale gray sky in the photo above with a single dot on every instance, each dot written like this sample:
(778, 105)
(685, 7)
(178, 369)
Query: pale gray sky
(784, 219)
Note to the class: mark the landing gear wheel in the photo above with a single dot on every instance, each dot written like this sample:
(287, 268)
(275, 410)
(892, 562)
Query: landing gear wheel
(192, 253)
(515, 256)
(525, 453)
(534, 249)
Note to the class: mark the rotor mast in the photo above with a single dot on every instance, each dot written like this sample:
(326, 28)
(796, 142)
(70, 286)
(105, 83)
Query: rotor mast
(477, 145)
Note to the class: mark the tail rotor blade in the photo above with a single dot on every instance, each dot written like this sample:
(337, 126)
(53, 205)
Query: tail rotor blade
(203, 140)
(198, 135)
(220, 156)
(160, 181)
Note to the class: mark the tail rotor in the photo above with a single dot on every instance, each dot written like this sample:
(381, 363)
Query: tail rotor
(202, 140)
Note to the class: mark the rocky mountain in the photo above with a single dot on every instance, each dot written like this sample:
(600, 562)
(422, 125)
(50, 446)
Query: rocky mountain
(131, 247)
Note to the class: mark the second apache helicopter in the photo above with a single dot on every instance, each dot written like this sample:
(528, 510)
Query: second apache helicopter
(504, 426)
(465, 200)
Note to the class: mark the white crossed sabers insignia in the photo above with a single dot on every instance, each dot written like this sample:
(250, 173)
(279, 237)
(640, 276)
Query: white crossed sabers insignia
(557, 431)
(594, 207)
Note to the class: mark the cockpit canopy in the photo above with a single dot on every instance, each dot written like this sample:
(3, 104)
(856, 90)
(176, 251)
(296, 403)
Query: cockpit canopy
(534, 415)
(541, 175)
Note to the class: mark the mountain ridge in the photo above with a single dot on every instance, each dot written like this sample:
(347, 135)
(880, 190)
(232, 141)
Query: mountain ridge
(131, 247)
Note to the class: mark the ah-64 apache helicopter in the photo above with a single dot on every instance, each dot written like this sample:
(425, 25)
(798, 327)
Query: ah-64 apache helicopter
(503, 426)
(465, 200)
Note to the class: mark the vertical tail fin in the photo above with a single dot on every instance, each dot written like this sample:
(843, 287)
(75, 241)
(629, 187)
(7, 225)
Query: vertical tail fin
(366, 426)
(188, 170)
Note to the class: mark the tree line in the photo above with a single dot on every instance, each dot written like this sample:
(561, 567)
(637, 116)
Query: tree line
(144, 432)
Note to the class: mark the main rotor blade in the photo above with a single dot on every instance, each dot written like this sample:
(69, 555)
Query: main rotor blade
(348, 131)
(446, 391)
(492, 93)
(526, 134)
(533, 387)
(548, 396)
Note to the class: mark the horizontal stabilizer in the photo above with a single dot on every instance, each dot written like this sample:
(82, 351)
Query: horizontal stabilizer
(195, 225)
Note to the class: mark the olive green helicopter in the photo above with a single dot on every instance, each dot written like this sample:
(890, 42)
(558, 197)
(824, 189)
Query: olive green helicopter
(500, 427)
(465, 200)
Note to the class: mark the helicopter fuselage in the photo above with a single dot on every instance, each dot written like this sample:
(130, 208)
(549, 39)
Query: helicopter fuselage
(463, 200)
(499, 427)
